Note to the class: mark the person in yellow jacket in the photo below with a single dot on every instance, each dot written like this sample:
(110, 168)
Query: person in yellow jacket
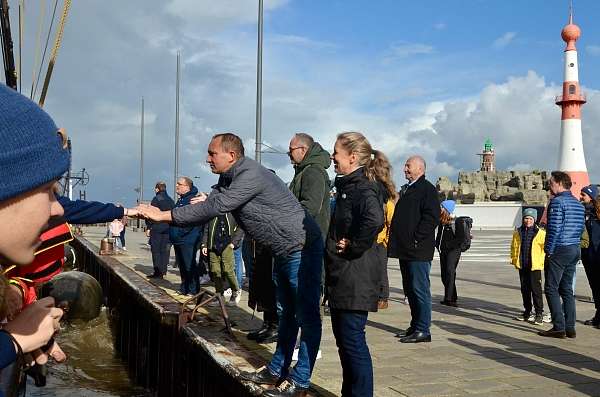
(527, 255)
(382, 243)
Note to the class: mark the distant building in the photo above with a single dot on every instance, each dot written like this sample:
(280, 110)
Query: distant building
(488, 184)
(488, 159)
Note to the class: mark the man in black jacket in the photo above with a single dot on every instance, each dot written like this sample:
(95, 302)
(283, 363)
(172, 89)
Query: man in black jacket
(159, 232)
(412, 241)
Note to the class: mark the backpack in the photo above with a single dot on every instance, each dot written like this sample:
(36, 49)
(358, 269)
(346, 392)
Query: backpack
(221, 237)
(463, 226)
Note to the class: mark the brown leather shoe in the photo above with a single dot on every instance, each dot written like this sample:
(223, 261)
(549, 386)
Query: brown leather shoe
(552, 333)
(571, 333)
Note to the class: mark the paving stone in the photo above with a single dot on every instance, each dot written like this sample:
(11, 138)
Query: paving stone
(484, 386)
(479, 374)
(432, 390)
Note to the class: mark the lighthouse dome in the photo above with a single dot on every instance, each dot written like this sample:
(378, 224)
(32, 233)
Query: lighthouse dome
(571, 32)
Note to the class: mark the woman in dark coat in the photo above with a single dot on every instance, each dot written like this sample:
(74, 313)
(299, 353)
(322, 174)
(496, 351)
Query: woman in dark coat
(447, 243)
(352, 269)
(590, 256)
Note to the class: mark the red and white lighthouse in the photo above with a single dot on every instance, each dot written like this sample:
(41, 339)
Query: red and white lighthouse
(571, 158)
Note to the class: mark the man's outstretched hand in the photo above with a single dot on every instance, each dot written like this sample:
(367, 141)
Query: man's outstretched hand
(200, 197)
(153, 213)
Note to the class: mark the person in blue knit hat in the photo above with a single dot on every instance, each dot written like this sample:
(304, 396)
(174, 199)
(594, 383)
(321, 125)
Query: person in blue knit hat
(528, 257)
(448, 243)
(33, 156)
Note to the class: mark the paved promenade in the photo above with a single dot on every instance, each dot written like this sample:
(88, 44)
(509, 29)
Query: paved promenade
(477, 349)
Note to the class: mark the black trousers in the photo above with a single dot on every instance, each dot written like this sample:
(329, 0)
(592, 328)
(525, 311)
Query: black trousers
(531, 289)
(448, 263)
(382, 262)
(591, 261)
(160, 248)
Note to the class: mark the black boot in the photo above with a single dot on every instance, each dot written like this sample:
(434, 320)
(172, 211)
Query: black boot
(254, 334)
(287, 389)
(269, 335)
(594, 321)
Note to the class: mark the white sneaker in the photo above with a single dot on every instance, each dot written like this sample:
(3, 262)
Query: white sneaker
(227, 293)
(124, 248)
(531, 318)
(547, 318)
(237, 296)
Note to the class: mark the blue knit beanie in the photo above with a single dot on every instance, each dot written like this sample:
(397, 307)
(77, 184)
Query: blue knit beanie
(591, 190)
(32, 152)
(532, 212)
(449, 205)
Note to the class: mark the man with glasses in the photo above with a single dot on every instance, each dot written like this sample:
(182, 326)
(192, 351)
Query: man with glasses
(185, 240)
(311, 182)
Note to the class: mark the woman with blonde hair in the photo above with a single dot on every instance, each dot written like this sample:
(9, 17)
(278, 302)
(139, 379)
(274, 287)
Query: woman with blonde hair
(353, 271)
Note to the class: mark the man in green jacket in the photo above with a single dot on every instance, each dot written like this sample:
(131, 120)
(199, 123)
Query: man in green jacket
(311, 182)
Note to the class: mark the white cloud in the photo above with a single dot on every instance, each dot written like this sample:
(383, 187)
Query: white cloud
(300, 41)
(100, 78)
(504, 40)
(403, 50)
(219, 14)
(521, 167)
(440, 26)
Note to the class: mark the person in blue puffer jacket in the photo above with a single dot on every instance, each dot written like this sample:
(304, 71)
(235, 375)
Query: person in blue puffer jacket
(566, 218)
(185, 240)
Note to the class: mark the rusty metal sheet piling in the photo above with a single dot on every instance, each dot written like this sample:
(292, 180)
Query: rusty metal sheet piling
(144, 320)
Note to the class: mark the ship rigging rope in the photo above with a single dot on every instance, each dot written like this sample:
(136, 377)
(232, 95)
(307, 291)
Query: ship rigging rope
(37, 80)
(57, 43)
(21, 27)
(38, 43)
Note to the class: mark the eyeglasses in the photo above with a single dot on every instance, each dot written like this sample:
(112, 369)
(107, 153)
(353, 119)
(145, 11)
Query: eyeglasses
(290, 150)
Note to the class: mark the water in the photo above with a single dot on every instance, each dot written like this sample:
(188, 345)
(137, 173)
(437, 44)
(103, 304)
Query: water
(92, 368)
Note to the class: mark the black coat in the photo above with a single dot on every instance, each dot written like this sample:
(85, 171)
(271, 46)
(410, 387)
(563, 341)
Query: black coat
(164, 203)
(261, 291)
(353, 277)
(417, 214)
(447, 239)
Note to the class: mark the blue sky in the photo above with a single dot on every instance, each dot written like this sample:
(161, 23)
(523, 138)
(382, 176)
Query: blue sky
(430, 77)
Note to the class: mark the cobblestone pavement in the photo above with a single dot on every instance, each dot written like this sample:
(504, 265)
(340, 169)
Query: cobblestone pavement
(477, 348)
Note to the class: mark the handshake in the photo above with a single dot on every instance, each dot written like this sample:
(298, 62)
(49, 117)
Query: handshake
(150, 212)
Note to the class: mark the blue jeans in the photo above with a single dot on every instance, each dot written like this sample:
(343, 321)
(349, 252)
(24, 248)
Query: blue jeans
(298, 280)
(559, 271)
(418, 292)
(122, 236)
(188, 268)
(239, 272)
(357, 368)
